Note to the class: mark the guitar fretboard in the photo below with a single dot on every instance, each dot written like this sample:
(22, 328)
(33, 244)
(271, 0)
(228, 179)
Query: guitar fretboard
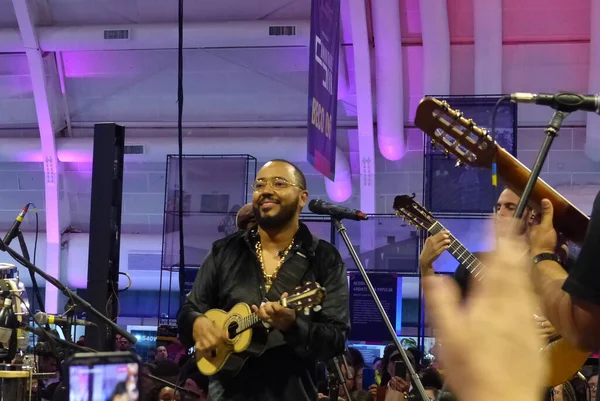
(247, 322)
(461, 253)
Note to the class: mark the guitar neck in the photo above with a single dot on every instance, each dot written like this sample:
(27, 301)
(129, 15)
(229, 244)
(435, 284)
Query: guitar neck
(248, 322)
(568, 220)
(460, 252)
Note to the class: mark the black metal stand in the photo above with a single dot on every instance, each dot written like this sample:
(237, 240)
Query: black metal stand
(76, 299)
(335, 378)
(415, 378)
(551, 132)
(34, 284)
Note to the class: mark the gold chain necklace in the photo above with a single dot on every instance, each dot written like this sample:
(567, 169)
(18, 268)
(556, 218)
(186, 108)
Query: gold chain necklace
(269, 278)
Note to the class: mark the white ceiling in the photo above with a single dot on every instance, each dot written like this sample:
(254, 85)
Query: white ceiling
(96, 12)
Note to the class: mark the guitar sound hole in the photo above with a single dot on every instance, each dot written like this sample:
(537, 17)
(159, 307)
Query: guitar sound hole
(232, 329)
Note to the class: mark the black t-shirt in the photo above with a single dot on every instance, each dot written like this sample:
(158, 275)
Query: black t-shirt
(584, 279)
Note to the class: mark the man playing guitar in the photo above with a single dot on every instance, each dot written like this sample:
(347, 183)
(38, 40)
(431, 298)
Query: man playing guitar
(503, 218)
(259, 266)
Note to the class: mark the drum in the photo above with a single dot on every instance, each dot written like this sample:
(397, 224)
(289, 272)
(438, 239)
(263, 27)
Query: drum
(8, 271)
(15, 382)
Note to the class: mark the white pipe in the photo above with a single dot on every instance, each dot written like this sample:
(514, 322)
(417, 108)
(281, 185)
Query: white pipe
(388, 79)
(161, 36)
(487, 16)
(436, 47)
(592, 140)
(156, 150)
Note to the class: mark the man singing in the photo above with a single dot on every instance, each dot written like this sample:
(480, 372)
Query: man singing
(259, 266)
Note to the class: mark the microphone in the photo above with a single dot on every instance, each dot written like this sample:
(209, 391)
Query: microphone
(42, 318)
(562, 101)
(14, 229)
(318, 206)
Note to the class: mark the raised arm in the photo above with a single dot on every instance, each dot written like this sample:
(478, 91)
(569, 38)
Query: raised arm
(571, 300)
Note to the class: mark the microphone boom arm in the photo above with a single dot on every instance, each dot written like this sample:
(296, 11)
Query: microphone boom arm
(67, 292)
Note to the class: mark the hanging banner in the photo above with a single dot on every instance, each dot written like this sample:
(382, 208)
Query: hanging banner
(366, 323)
(323, 85)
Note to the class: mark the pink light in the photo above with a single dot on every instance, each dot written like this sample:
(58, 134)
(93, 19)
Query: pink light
(71, 156)
(392, 147)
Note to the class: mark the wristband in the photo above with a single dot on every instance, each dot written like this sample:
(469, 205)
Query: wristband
(546, 256)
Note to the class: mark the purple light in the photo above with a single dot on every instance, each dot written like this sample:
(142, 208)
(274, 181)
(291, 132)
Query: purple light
(392, 147)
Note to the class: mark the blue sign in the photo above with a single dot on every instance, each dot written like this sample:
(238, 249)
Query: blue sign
(366, 321)
(322, 85)
(190, 277)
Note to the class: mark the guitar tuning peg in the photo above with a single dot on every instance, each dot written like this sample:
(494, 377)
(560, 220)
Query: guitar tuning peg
(317, 308)
(458, 114)
(306, 311)
(446, 153)
(459, 163)
(471, 123)
(432, 141)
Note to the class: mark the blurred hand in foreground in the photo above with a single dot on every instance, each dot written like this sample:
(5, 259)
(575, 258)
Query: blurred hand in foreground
(490, 341)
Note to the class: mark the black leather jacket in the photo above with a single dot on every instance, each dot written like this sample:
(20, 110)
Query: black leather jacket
(285, 371)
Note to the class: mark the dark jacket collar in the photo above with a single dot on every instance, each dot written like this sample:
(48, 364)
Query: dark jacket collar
(304, 239)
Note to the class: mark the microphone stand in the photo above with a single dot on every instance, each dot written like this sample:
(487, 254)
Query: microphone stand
(36, 289)
(415, 378)
(76, 299)
(335, 378)
(551, 132)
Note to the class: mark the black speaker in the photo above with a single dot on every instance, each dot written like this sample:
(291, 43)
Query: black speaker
(105, 231)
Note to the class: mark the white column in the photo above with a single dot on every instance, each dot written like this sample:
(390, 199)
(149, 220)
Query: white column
(388, 78)
(592, 140)
(436, 47)
(364, 110)
(487, 16)
(43, 99)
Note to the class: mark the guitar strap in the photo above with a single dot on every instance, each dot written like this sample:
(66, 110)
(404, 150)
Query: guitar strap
(290, 276)
(298, 269)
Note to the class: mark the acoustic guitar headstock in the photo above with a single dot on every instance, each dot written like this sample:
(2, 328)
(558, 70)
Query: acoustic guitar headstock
(305, 297)
(449, 129)
(411, 211)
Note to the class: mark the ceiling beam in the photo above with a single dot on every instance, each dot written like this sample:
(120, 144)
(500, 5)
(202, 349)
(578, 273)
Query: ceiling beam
(364, 112)
(43, 99)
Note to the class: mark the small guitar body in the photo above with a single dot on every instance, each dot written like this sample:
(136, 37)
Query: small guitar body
(245, 333)
(564, 359)
(232, 354)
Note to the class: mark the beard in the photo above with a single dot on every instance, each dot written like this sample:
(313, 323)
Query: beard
(286, 213)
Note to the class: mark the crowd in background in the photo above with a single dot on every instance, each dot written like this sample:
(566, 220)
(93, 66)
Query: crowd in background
(396, 388)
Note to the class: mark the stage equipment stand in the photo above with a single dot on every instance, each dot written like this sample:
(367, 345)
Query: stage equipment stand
(551, 132)
(415, 378)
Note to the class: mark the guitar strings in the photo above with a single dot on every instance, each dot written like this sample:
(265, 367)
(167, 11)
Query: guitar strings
(472, 264)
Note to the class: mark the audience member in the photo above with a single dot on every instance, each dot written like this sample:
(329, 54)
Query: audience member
(161, 353)
(497, 312)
